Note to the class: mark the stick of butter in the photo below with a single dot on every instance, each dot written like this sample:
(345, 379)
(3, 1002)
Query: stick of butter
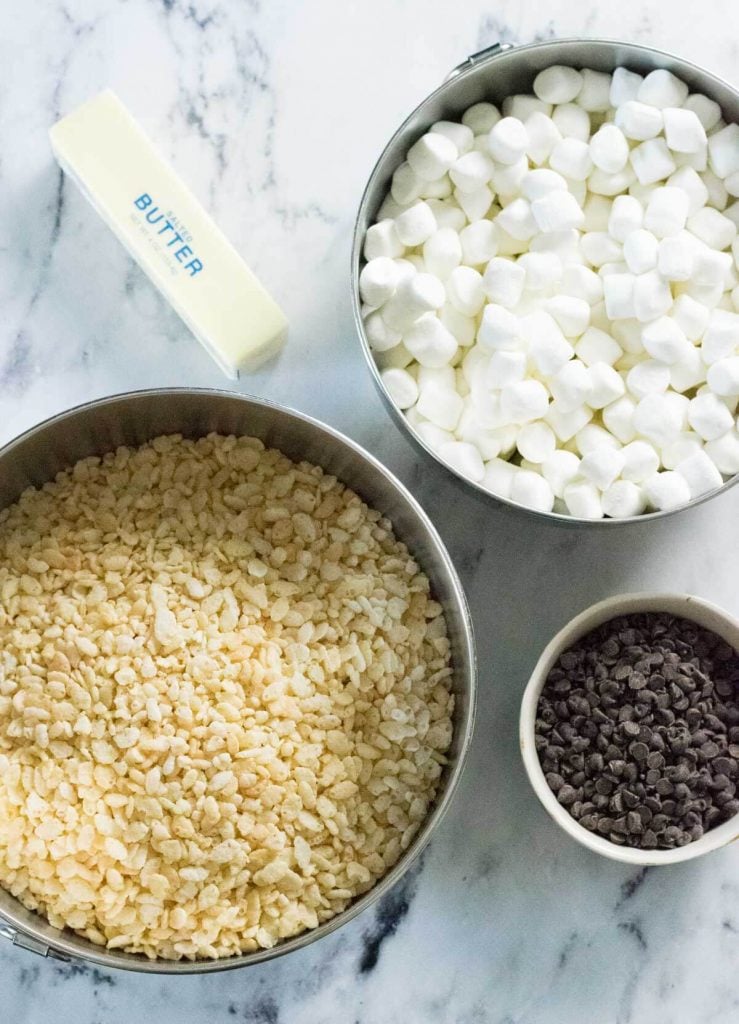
(169, 234)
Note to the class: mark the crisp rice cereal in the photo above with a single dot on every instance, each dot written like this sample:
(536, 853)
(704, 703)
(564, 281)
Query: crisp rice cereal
(224, 698)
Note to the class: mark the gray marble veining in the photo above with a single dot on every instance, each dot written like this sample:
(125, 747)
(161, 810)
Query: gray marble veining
(274, 113)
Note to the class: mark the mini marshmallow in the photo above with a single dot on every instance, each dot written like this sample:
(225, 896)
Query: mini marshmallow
(479, 242)
(460, 134)
(481, 117)
(685, 444)
(595, 93)
(583, 500)
(640, 461)
(507, 140)
(485, 441)
(648, 377)
(571, 121)
(378, 280)
(415, 224)
(523, 105)
(475, 204)
(711, 268)
(709, 417)
(606, 385)
(688, 372)
(609, 149)
(444, 375)
(536, 441)
(708, 111)
(597, 210)
(442, 252)
(507, 178)
(556, 211)
(524, 401)
(582, 283)
(567, 423)
(503, 281)
(558, 469)
(563, 244)
(471, 171)
(724, 452)
(598, 248)
(558, 84)
(441, 188)
(664, 340)
(619, 291)
(517, 220)
(667, 211)
(447, 214)
(718, 195)
(570, 386)
(721, 338)
(640, 251)
(700, 473)
(692, 185)
(498, 477)
(675, 258)
(548, 348)
(732, 184)
(499, 329)
(380, 335)
(510, 246)
(414, 295)
(627, 216)
(396, 357)
(723, 376)
(601, 467)
(628, 335)
(505, 367)
(662, 89)
(604, 184)
(592, 438)
(464, 458)
(638, 121)
(462, 327)
(572, 314)
(666, 490)
(625, 86)
(382, 240)
(429, 342)
(432, 435)
(571, 158)
(623, 499)
(440, 405)
(618, 417)
(532, 490)
(542, 134)
(595, 346)
(540, 182)
(712, 227)
(652, 296)
(432, 156)
(543, 270)
(690, 316)
(656, 419)
(401, 387)
(406, 186)
(683, 130)
(465, 290)
(652, 161)
(723, 149)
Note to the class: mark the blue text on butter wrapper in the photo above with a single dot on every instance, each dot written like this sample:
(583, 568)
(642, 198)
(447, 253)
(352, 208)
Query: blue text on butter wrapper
(154, 216)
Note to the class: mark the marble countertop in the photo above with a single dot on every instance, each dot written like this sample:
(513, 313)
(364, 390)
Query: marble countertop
(274, 111)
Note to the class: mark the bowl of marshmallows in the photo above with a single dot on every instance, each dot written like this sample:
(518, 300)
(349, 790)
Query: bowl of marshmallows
(546, 279)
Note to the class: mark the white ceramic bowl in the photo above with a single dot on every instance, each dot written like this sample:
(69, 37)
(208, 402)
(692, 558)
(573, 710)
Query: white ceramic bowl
(685, 605)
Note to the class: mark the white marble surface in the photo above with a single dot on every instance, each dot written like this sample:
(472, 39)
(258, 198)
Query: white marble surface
(274, 112)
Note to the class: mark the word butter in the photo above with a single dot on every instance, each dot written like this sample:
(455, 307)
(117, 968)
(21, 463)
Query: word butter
(169, 234)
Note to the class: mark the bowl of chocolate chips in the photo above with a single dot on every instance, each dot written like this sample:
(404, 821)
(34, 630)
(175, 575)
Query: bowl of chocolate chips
(629, 728)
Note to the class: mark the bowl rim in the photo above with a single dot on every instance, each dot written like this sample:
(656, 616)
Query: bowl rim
(685, 605)
(465, 70)
(65, 943)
